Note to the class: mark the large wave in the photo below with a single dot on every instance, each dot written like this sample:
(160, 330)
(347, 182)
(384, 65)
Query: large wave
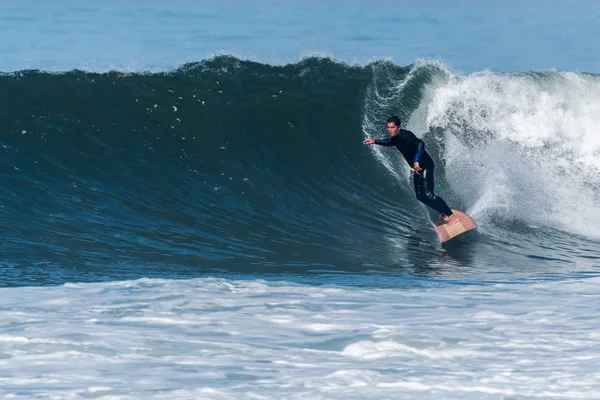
(236, 163)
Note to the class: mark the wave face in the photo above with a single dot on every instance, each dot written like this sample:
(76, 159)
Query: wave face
(238, 167)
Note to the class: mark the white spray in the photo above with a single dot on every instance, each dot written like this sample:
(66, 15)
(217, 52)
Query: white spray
(516, 146)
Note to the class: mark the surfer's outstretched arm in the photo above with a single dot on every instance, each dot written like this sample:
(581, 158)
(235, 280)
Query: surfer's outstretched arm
(391, 141)
(382, 142)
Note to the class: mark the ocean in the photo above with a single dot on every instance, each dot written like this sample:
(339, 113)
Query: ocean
(188, 211)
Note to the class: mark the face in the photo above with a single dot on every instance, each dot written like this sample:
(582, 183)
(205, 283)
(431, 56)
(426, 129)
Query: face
(392, 128)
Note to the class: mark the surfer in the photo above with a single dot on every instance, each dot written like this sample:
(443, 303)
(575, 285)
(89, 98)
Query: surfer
(413, 150)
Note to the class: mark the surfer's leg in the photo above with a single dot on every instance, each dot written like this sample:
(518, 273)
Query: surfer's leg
(430, 199)
(418, 183)
(421, 188)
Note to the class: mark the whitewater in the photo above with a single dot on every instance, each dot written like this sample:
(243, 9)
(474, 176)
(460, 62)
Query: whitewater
(223, 339)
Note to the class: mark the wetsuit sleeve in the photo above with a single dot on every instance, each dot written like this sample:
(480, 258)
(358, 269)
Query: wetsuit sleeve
(391, 141)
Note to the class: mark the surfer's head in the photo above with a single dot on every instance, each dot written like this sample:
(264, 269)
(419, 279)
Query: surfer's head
(393, 125)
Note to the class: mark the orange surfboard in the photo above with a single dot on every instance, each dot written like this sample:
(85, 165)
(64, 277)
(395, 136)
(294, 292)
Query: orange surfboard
(447, 232)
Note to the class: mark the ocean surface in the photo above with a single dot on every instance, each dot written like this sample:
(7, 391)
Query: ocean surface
(187, 210)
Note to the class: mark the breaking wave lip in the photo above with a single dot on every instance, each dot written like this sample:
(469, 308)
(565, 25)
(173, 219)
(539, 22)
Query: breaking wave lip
(232, 161)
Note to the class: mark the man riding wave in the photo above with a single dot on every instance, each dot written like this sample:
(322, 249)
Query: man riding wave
(413, 150)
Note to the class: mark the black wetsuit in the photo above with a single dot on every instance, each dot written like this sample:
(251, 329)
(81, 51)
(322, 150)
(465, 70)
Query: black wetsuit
(413, 150)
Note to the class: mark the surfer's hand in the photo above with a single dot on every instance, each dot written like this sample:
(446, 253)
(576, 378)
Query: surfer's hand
(368, 141)
(417, 168)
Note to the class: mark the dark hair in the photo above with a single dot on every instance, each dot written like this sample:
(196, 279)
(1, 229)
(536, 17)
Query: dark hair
(394, 119)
